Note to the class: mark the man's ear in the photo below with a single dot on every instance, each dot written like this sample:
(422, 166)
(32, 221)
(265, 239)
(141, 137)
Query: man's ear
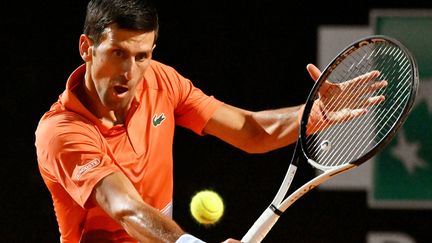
(85, 48)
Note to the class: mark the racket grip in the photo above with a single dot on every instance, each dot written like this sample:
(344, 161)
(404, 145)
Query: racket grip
(261, 227)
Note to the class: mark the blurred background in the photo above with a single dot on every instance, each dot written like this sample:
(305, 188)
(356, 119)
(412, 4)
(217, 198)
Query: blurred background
(251, 54)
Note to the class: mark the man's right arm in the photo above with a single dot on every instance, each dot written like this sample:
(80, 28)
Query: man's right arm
(116, 195)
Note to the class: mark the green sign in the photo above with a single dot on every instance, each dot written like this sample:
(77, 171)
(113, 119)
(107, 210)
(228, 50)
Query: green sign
(402, 175)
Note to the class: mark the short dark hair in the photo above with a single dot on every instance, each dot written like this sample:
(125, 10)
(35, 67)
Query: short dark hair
(125, 14)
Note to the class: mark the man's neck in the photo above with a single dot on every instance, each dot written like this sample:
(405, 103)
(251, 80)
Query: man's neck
(109, 118)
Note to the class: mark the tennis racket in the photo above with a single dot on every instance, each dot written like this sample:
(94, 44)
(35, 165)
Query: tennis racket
(355, 108)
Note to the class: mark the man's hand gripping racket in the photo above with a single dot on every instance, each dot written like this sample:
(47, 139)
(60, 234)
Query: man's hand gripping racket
(355, 108)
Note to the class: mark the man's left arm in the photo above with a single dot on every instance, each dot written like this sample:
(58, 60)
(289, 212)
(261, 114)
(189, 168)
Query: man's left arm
(255, 132)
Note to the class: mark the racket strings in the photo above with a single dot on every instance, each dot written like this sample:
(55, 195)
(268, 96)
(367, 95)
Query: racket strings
(359, 141)
(384, 124)
(361, 132)
(332, 105)
(338, 136)
(352, 138)
(363, 135)
(355, 64)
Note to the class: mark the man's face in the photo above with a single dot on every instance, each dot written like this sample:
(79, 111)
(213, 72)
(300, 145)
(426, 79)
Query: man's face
(118, 64)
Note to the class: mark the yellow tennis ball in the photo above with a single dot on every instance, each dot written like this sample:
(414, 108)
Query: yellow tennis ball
(207, 207)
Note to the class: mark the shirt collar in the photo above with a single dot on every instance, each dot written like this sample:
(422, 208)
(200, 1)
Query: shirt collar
(71, 102)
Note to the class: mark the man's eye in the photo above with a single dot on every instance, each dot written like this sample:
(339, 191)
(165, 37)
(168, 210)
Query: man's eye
(141, 57)
(118, 53)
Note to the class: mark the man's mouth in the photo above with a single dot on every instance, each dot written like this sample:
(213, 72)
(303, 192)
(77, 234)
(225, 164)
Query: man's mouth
(120, 89)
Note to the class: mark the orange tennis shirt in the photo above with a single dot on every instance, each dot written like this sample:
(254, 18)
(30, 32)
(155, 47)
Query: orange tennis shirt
(75, 151)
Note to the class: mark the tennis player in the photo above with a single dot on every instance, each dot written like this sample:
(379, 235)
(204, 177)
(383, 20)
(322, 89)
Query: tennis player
(104, 148)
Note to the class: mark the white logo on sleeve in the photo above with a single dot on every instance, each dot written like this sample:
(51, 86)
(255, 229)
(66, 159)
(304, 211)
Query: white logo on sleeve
(87, 167)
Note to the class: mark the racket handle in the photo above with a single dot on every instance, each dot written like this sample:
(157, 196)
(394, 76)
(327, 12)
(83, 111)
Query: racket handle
(261, 227)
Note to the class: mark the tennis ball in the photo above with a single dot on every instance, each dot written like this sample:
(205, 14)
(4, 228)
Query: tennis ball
(207, 207)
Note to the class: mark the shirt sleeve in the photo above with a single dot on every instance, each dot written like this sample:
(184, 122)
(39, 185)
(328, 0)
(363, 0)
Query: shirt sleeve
(192, 107)
(72, 152)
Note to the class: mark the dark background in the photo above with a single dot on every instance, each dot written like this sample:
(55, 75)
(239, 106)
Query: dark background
(251, 54)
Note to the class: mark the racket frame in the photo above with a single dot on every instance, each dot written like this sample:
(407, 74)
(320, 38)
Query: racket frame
(271, 214)
(329, 69)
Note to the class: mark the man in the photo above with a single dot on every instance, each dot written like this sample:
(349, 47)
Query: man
(105, 147)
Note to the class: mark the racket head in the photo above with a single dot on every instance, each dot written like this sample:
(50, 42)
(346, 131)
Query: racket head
(356, 140)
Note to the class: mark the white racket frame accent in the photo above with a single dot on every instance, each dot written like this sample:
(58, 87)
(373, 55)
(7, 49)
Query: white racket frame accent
(269, 217)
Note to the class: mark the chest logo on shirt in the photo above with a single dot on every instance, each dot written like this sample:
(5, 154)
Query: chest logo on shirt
(158, 119)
